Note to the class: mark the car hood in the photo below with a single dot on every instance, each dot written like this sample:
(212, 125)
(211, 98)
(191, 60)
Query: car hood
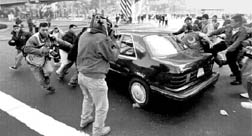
(183, 61)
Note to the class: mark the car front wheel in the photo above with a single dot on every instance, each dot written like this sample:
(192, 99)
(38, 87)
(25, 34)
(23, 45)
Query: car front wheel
(139, 92)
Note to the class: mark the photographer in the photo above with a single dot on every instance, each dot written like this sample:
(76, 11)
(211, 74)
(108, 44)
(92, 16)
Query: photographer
(19, 38)
(40, 49)
(96, 50)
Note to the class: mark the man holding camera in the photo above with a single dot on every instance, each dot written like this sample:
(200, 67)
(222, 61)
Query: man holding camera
(40, 51)
(19, 38)
(96, 50)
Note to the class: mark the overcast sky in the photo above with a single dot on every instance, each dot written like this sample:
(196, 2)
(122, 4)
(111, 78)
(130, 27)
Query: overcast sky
(228, 5)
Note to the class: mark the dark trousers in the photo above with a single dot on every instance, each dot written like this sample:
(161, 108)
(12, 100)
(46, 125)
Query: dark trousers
(30, 29)
(218, 48)
(65, 68)
(232, 58)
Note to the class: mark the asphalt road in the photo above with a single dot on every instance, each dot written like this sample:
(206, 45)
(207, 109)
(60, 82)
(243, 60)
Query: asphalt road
(199, 116)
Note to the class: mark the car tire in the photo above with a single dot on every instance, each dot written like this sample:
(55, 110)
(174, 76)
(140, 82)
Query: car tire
(139, 92)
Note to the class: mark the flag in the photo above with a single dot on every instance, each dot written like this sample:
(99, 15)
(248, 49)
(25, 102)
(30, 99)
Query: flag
(126, 8)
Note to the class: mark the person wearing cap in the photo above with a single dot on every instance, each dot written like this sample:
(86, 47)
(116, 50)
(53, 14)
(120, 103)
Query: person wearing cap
(19, 38)
(183, 29)
(215, 22)
(235, 34)
(96, 50)
(207, 26)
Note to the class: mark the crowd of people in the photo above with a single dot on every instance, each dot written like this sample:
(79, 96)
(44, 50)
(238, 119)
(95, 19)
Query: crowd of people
(236, 45)
(91, 51)
(95, 47)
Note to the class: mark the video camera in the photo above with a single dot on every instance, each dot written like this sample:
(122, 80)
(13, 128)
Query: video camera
(102, 23)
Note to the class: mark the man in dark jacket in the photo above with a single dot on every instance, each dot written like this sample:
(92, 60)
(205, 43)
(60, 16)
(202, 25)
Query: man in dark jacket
(70, 37)
(235, 34)
(19, 38)
(72, 56)
(96, 50)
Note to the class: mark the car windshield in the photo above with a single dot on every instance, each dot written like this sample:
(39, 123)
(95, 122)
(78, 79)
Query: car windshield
(160, 46)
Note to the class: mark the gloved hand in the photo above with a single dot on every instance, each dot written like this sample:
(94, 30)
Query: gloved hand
(12, 43)
(44, 51)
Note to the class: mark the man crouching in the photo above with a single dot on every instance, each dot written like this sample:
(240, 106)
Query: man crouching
(39, 50)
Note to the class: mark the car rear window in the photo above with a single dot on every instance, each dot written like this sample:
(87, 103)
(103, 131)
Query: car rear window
(160, 46)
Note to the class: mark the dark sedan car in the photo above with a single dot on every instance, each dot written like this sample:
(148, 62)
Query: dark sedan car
(156, 62)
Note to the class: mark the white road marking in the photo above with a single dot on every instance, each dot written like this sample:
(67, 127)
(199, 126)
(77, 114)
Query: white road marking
(34, 119)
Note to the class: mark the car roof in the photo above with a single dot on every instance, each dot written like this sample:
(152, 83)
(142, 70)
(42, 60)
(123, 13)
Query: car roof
(140, 30)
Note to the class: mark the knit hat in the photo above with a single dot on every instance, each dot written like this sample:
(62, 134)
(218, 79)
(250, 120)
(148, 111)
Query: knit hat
(205, 16)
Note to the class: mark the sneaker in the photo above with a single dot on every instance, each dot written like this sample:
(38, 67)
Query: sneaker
(103, 131)
(60, 78)
(50, 90)
(247, 105)
(86, 122)
(232, 75)
(13, 68)
(244, 95)
(72, 84)
(236, 82)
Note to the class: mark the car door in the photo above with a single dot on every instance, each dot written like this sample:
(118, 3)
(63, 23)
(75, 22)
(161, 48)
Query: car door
(126, 56)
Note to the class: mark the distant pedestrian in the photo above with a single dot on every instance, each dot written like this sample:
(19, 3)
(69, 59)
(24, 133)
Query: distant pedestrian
(49, 20)
(117, 19)
(36, 25)
(19, 38)
(166, 20)
(30, 24)
(18, 20)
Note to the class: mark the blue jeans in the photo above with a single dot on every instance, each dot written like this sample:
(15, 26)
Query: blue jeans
(95, 96)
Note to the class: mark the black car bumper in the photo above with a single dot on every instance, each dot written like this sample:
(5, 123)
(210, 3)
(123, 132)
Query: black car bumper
(187, 92)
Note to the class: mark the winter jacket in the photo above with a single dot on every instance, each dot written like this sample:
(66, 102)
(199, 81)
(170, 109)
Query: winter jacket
(233, 40)
(95, 51)
(72, 55)
(34, 44)
(19, 40)
(69, 37)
